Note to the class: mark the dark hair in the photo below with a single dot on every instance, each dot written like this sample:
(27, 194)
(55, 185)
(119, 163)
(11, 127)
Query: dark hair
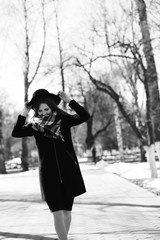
(49, 101)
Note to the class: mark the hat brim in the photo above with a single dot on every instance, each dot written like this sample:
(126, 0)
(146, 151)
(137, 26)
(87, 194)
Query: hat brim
(55, 98)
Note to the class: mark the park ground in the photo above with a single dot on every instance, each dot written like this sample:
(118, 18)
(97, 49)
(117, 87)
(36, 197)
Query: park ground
(113, 208)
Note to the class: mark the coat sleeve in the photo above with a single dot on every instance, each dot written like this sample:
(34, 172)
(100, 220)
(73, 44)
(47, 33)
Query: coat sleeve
(81, 114)
(21, 129)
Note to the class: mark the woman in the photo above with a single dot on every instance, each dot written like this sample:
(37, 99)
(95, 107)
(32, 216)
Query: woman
(60, 175)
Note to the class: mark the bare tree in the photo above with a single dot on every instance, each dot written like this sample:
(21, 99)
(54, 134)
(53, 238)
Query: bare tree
(2, 155)
(97, 104)
(63, 59)
(122, 50)
(29, 76)
(151, 82)
(61, 65)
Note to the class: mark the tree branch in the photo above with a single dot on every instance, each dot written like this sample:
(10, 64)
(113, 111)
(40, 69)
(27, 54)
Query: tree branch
(43, 46)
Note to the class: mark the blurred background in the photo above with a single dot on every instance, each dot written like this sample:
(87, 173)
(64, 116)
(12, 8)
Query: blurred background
(104, 54)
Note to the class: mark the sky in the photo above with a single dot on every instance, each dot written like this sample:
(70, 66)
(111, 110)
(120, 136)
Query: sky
(76, 19)
(11, 75)
(76, 16)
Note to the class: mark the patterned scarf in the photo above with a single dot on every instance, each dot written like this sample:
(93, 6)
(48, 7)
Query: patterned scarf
(48, 126)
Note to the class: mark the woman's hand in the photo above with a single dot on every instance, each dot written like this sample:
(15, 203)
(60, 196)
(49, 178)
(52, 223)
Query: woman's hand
(64, 97)
(26, 110)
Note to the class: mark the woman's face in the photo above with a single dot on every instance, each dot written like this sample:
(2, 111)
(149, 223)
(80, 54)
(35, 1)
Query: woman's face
(44, 110)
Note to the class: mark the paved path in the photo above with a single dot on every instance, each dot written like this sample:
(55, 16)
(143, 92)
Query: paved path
(112, 209)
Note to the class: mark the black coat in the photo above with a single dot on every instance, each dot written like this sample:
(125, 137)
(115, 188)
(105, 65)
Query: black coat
(57, 159)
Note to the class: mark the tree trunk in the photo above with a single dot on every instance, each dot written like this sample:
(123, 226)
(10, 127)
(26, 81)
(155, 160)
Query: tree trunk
(118, 131)
(8, 152)
(157, 147)
(24, 155)
(150, 150)
(151, 84)
(152, 77)
(2, 156)
(27, 66)
(142, 153)
(90, 137)
(60, 52)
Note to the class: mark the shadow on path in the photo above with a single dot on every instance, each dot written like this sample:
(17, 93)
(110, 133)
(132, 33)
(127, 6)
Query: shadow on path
(25, 236)
(122, 233)
(20, 200)
(116, 204)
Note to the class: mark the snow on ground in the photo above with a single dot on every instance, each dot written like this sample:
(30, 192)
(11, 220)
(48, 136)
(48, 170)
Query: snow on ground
(138, 173)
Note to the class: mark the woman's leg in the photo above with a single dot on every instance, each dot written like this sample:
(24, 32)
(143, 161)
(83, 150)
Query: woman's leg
(60, 225)
(67, 219)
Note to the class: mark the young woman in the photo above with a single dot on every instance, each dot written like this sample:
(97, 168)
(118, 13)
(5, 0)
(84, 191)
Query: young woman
(60, 175)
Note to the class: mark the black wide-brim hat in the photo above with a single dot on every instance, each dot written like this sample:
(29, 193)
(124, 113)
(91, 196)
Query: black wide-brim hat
(41, 93)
